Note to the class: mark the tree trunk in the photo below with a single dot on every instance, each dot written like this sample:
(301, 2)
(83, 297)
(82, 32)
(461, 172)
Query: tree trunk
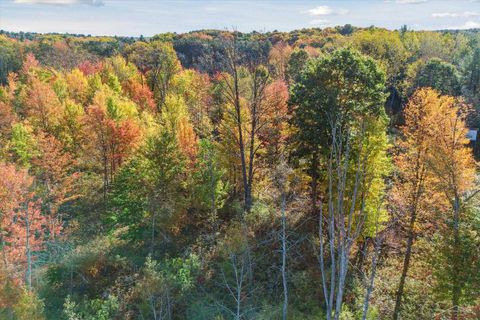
(251, 156)
(28, 252)
(314, 176)
(456, 290)
(284, 257)
(406, 265)
(152, 243)
(105, 174)
(362, 253)
(378, 243)
(246, 189)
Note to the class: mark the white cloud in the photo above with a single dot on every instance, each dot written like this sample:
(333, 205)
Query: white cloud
(320, 11)
(410, 1)
(466, 14)
(326, 11)
(62, 2)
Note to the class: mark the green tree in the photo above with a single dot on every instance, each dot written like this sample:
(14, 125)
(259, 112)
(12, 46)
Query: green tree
(149, 192)
(472, 77)
(10, 58)
(209, 189)
(388, 49)
(339, 116)
(23, 145)
(439, 75)
(96, 309)
(297, 60)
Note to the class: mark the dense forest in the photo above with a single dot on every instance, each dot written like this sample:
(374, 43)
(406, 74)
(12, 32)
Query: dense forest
(313, 174)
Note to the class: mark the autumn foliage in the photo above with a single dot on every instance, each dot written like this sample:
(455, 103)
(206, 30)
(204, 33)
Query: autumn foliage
(314, 174)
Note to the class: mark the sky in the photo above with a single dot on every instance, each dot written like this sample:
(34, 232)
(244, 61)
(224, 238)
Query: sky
(149, 17)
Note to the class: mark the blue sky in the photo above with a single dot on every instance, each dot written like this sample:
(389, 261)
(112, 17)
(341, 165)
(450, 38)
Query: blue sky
(149, 17)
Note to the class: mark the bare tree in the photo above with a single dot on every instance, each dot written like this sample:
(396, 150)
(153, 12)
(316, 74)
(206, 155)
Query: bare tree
(236, 285)
(284, 256)
(281, 181)
(253, 96)
(345, 205)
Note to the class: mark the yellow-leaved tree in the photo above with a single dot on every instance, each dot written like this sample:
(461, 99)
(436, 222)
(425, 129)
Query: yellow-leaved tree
(435, 169)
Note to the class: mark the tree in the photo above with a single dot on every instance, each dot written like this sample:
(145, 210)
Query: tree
(10, 57)
(414, 192)
(387, 48)
(7, 114)
(339, 115)
(23, 146)
(25, 229)
(55, 171)
(453, 166)
(42, 106)
(472, 77)
(160, 283)
(15, 301)
(251, 101)
(77, 86)
(158, 61)
(14, 186)
(6, 121)
(245, 109)
(281, 183)
(176, 120)
(71, 128)
(96, 309)
(279, 57)
(273, 131)
(440, 76)
(296, 63)
(148, 192)
(141, 95)
(111, 131)
(208, 187)
(23, 225)
(195, 89)
(233, 273)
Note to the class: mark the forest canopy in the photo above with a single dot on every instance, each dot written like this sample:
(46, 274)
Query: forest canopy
(312, 174)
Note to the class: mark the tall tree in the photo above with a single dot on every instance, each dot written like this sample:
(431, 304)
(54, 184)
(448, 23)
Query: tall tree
(338, 111)
(56, 174)
(414, 192)
(148, 194)
(23, 224)
(244, 91)
(111, 131)
(453, 166)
